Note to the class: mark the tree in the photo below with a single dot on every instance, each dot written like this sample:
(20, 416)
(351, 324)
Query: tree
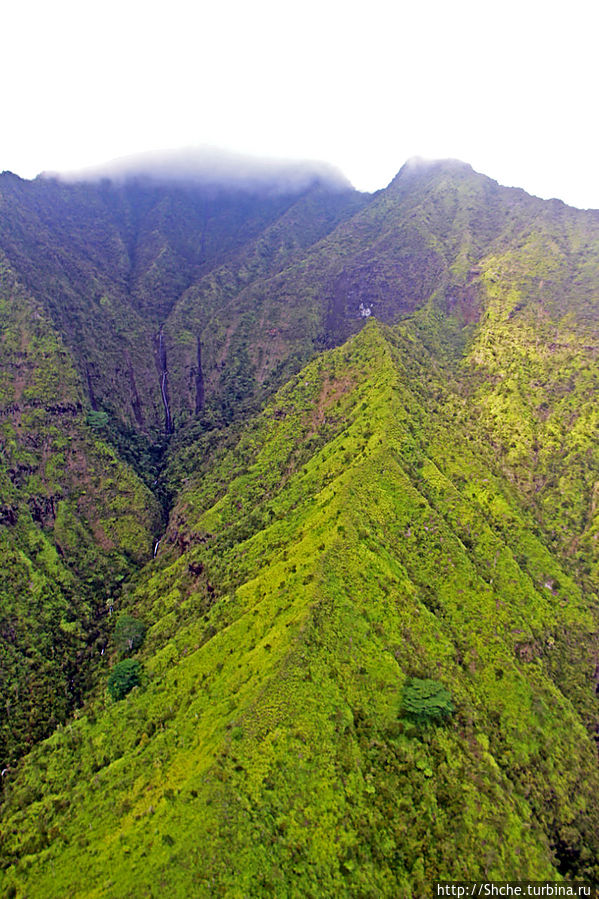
(124, 676)
(129, 634)
(426, 700)
(96, 419)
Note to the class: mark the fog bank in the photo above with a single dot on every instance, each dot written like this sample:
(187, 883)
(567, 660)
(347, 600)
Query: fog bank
(213, 168)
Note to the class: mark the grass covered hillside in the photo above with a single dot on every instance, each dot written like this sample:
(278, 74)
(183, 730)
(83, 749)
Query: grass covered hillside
(365, 666)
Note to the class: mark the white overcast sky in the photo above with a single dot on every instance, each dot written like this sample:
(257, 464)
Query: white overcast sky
(509, 87)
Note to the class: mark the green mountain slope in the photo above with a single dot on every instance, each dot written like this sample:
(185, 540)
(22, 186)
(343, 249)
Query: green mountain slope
(358, 537)
(532, 365)
(74, 523)
(341, 530)
(424, 243)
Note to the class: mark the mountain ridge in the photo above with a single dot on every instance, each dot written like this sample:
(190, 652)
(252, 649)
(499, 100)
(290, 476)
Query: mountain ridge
(381, 469)
(289, 629)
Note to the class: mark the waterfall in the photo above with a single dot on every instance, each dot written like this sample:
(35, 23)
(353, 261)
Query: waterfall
(168, 424)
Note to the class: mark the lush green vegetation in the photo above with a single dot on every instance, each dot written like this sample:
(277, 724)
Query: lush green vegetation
(330, 564)
(75, 522)
(426, 701)
(362, 655)
(129, 633)
(124, 676)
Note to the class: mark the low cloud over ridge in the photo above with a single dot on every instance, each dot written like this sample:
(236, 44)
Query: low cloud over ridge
(215, 168)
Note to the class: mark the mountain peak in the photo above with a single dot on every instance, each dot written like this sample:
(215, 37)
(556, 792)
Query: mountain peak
(444, 164)
(418, 167)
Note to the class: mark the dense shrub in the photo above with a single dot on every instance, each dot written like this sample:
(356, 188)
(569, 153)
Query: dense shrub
(124, 676)
(426, 700)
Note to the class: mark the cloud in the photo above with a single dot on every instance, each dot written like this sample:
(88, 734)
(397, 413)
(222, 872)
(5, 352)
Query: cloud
(214, 168)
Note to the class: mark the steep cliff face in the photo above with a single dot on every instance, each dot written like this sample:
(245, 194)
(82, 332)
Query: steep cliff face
(109, 263)
(323, 448)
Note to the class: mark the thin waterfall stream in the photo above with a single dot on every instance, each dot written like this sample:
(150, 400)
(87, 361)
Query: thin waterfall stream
(168, 424)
